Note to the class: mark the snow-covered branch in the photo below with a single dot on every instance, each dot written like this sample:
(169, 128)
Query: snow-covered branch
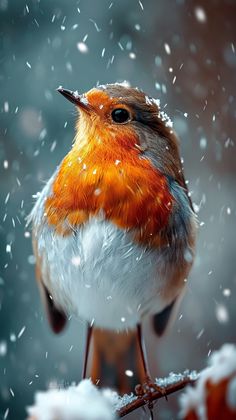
(82, 402)
(212, 394)
(174, 382)
(87, 402)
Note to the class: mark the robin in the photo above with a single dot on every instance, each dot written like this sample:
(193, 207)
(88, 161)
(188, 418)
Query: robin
(114, 228)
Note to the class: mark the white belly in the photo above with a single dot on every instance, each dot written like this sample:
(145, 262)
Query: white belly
(100, 274)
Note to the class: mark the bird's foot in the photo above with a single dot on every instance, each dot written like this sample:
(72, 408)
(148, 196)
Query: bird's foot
(148, 387)
(146, 391)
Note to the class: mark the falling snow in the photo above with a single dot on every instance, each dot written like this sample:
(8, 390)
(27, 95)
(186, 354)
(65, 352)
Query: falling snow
(141, 5)
(167, 49)
(203, 143)
(82, 47)
(132, 55)
(200, 14)
(186, 60)
(3, 348)
(6, 106)
(129, 373)
(21, 332)
(227, 292)
(222, 314)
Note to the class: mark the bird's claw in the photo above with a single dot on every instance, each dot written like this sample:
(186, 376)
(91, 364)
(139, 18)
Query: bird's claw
(148, 387)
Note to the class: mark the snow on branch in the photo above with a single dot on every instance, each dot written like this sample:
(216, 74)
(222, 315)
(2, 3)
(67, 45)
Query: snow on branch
(87, 402)
(174, 382)
(82, 402)
(212, 395)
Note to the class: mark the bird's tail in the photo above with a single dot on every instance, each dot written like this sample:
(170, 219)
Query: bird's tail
(115, 360)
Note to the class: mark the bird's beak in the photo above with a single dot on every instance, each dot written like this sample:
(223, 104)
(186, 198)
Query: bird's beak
(75, 98)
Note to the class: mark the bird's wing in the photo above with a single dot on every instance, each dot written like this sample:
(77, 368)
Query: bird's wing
(180, 232)
(160, 320)
(56, 317)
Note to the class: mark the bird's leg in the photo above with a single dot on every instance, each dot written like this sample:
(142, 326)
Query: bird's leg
(142, 350)
(149, 385)
(88, 341)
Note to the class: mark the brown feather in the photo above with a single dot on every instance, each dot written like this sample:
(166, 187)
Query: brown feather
(56, 317)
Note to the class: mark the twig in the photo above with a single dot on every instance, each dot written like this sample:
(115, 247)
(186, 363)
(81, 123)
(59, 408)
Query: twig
(155, 395)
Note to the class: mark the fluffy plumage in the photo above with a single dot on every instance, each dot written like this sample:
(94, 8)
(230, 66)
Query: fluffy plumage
(113, 228)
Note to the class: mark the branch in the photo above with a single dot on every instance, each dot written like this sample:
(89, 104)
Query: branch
(174, 385)
(86, 401)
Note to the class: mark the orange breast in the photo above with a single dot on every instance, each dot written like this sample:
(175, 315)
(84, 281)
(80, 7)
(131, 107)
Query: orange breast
(124, 187)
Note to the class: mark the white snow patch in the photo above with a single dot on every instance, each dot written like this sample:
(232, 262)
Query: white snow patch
(76, 94)
(165, 118)
(148, 100)
(125, 83)
(174, 378)
(83, 99)
(156, 102)
(82, 402)
(222, 364)
(152, 101)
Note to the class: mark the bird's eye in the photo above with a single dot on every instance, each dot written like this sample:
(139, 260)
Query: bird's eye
(120, 115)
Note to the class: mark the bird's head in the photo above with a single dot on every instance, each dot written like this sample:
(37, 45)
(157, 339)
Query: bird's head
(121, 118)
(120, 112)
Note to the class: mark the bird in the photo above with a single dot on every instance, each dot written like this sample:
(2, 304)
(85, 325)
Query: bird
(114, 228)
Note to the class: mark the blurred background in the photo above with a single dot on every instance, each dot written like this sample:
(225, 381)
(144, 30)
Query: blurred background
(182, 52)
